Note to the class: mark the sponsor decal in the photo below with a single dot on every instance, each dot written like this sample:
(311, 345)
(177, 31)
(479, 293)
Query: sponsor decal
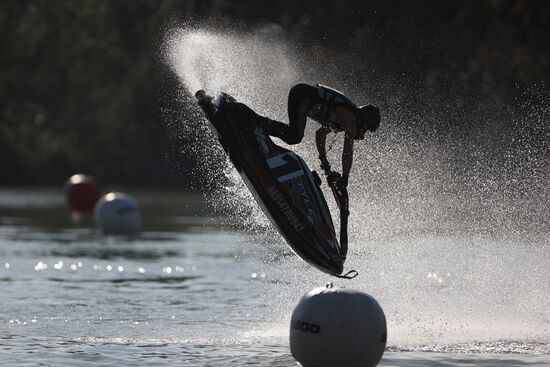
(305, 326)
(285, 208)
(308, 204)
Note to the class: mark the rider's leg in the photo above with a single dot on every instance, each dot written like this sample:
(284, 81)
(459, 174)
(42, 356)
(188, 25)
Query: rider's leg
(299, 101)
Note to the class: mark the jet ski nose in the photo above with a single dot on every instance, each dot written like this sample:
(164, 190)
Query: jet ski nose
(337, 269)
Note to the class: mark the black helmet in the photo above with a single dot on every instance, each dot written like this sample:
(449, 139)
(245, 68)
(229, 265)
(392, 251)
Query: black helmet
(371, 116)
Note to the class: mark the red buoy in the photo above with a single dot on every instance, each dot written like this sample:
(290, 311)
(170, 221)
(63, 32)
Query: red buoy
(82, 193)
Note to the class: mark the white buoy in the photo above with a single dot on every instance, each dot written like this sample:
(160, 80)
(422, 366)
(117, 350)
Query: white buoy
(117, 214)
(333, 327)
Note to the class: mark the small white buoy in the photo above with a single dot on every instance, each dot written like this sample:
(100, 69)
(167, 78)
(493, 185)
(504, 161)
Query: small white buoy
(117, 214)
(332, 327)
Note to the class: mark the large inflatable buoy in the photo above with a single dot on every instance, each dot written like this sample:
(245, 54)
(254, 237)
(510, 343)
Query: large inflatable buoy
(117, 214)
(333, 327)
(82, 193)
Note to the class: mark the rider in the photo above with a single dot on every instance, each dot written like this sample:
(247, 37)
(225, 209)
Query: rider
(334, 111)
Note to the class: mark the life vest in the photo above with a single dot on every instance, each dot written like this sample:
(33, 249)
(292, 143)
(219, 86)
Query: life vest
(323, 109)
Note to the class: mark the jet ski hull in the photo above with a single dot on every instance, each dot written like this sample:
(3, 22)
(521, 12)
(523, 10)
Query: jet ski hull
(281, 182)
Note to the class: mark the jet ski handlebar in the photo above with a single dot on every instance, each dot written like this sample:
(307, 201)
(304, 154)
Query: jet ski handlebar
(340, 193)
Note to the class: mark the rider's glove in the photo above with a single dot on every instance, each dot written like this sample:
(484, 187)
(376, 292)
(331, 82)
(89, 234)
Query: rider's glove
(333, 177)
(325, 166)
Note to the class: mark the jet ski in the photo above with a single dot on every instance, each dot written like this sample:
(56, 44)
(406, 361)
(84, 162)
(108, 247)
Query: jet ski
(286, 189)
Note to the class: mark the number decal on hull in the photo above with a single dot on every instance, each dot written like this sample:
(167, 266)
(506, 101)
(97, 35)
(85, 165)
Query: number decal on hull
(285, 166)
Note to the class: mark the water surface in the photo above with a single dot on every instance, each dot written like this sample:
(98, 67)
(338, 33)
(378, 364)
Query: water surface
(195, 291)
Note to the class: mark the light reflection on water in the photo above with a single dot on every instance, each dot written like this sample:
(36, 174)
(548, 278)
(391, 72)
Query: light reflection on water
(200, 296)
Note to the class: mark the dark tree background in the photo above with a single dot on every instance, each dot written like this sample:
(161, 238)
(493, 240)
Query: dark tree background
(82, 85)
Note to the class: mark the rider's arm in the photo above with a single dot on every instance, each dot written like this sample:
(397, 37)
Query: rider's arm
(347, 155)
(349, 121)
(321, 140)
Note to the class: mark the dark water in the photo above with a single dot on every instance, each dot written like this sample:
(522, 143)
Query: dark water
(194, 293)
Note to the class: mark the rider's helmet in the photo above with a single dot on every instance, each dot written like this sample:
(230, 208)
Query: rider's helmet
(370, 116)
